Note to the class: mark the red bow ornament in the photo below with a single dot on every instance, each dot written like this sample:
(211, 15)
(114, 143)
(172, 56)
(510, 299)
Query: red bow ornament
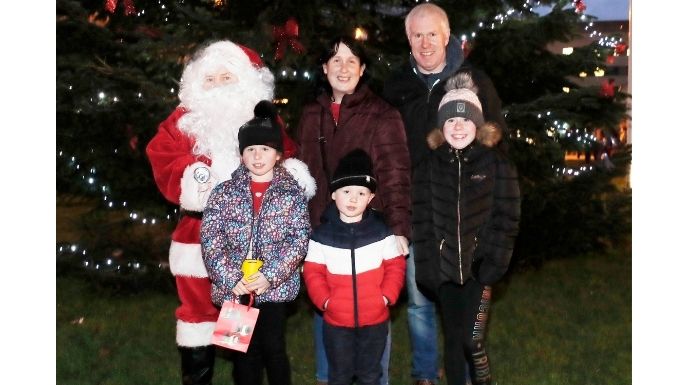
(620, 49)
(607, 89)
(580, 6)
(287, 34)
(466, 47)
(128, 5)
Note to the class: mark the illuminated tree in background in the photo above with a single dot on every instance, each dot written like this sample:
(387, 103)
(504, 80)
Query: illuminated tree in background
(119, 62)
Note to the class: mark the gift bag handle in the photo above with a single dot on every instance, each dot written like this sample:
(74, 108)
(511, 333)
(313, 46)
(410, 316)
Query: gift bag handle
(251, 300)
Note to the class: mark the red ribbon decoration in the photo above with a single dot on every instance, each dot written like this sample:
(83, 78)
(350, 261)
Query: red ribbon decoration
(128, 5)
(620, 48)
(466, 47)
(287, 34)
(607, 89)
(579, 6)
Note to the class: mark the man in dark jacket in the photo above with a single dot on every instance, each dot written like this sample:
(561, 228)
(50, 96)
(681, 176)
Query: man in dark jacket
(416, 90)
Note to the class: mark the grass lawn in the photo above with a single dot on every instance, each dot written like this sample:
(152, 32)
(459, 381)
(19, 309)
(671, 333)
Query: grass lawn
(566, 323)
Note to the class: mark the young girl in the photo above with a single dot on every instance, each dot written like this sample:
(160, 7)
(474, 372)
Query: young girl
(260, 213)
(466, 210)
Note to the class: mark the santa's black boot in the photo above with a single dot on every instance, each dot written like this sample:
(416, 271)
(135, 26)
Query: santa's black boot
(197, 365)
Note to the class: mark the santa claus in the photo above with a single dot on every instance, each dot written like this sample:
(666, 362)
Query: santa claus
(194, 149)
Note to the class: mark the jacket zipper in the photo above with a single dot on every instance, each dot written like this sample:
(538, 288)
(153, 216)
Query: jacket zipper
(355, 278)
(430, 90)
(255, 223)
(459, 215)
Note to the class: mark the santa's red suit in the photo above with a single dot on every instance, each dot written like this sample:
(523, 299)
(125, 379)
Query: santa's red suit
(188, 159)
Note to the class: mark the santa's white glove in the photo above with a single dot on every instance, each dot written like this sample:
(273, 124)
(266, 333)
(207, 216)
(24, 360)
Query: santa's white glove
(300, 172)
(196, 184)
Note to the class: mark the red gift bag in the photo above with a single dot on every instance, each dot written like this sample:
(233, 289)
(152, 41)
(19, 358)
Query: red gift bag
(235, 325)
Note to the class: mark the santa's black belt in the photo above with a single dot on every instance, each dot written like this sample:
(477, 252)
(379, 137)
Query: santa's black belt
(192, 214)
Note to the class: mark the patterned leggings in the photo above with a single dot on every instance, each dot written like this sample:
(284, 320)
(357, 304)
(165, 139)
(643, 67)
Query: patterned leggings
(464, 319)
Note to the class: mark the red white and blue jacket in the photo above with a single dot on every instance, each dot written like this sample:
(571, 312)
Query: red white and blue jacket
(353, 266)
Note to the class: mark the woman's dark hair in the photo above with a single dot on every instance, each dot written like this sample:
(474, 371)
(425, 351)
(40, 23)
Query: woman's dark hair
(354, 46)
(330, 51)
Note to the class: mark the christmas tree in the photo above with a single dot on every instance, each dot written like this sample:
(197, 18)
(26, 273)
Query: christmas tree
(118, 68)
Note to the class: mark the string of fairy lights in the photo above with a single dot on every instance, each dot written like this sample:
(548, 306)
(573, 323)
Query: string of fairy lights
(88, 173)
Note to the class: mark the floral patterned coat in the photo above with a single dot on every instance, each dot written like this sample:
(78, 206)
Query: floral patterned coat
(279, 235)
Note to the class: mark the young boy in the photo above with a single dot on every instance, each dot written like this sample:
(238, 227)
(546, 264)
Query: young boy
(466, 212)
(259, 213)
(354, 271)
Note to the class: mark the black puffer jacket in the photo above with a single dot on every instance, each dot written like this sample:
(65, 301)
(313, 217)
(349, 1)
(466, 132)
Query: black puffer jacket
(466, 212)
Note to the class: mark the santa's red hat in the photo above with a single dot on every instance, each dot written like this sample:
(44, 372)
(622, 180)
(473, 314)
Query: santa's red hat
(229, 53)
(254, 57)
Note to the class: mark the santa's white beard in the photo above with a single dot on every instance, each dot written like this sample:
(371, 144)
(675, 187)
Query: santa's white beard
(213, 119)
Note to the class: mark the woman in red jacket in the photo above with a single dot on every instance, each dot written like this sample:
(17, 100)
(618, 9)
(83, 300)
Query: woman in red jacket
(346, 116)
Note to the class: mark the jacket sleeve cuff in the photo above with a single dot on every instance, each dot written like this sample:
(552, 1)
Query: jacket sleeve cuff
(300, 172)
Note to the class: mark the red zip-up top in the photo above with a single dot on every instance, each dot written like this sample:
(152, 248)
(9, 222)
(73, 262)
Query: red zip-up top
(353, 266)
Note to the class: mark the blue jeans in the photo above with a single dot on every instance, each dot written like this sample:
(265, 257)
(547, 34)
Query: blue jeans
(322, 362)
(422, 328)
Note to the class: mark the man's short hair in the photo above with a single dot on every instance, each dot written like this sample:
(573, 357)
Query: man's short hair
(428, 8)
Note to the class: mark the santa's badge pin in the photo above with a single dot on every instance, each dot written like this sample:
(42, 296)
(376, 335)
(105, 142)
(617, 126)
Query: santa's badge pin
(201, 174)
